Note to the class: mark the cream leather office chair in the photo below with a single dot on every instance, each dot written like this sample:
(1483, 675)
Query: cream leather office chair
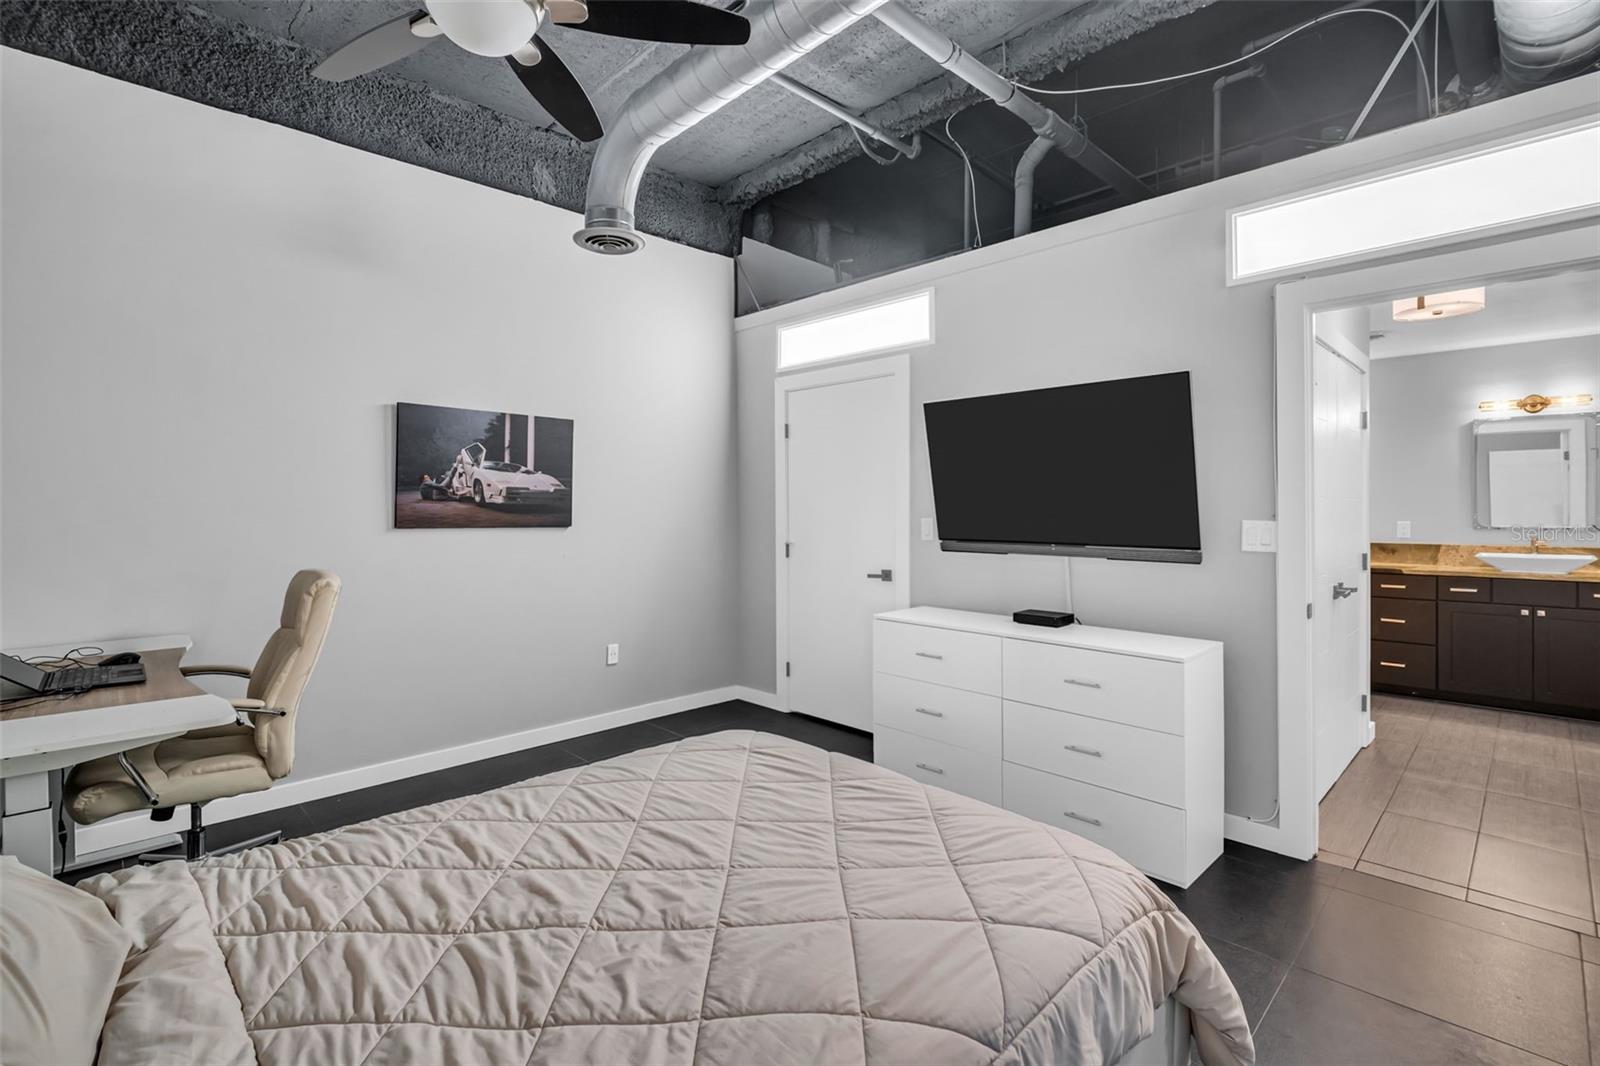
(207, 764)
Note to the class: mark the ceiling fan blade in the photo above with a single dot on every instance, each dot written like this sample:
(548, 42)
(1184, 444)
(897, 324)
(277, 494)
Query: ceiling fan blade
(558, 92)
(674, 21)
(376, 48)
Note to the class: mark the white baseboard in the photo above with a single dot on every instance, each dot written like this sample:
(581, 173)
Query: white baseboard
(121, 833)
(1262, 835)
(769, 700)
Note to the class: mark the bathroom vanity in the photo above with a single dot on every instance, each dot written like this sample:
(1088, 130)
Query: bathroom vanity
(1447, 625)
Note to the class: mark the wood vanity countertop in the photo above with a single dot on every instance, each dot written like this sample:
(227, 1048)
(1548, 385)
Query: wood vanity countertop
(1458, 560)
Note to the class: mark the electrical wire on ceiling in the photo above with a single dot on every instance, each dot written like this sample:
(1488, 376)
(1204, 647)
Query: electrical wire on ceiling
(972, 182)
(874, 156)
(1415, 47)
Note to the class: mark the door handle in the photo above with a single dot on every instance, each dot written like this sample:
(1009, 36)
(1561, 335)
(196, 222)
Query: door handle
(881, 575)
(1341, 590)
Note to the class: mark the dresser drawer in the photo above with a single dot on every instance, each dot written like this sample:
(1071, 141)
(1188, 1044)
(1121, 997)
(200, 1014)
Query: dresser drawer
(962, 770)
(1467, 589)
(1405, 621)
(950, 715)
(1403, 586)
(1149, 835)
(1140, 762)
(943, 656)
(1120, 688)
(1403, 665)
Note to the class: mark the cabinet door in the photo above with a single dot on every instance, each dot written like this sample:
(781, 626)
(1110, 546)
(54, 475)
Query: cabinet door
(1566, 658)
(1486, 649)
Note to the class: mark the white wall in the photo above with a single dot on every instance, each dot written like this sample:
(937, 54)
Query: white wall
(1136, 291)
(1423, 407)
(207, 319)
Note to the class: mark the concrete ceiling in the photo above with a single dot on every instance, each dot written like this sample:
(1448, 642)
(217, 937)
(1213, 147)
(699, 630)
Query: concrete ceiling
(862, 69)
(1514, 312)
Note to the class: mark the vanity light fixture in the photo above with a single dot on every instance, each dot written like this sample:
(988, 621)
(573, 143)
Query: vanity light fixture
(1533, 403)
(1439, 305)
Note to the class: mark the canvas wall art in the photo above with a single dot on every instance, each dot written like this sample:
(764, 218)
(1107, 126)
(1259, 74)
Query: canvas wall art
(459, 468)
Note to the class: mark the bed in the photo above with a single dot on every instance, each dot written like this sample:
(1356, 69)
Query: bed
(734, 898)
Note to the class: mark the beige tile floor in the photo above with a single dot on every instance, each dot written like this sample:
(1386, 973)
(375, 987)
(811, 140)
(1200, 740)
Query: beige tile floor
(1496, 807)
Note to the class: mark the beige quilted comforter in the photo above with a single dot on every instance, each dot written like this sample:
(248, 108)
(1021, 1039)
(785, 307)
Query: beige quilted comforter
(735, 898)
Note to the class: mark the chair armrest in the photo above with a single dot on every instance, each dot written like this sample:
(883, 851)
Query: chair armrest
(243, 708)
(231, 671)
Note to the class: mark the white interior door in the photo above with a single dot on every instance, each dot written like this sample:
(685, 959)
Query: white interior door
(844, 499)
(1340, 621)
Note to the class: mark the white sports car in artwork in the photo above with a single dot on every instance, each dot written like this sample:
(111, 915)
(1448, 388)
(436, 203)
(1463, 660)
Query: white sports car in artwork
(490, 481)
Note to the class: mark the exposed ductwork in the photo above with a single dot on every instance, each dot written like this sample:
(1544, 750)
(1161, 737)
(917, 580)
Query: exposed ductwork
(692, 88)
(1044, 122)
(1542, 41)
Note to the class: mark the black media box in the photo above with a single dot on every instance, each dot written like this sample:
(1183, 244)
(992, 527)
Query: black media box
(1053, 619)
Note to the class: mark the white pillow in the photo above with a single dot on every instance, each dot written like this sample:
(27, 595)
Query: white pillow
(61, 953)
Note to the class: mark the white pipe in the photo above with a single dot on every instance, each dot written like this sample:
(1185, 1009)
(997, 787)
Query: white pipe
(834, 108)
(1022, 210)
(1044, 122)
(693, 87)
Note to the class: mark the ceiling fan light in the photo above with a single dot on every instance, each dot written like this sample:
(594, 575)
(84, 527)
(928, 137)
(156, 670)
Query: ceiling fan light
(486, 27)
(1439, 305)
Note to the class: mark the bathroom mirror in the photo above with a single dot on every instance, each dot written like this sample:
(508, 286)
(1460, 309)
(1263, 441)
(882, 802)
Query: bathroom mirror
(1535, 472)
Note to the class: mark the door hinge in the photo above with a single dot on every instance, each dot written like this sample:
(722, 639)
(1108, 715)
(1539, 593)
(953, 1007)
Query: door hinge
(1363, 420)
(1363, 703)
(1363, 560)
(786, 431)
(786, 546)
(1308, 610)
(785, 669)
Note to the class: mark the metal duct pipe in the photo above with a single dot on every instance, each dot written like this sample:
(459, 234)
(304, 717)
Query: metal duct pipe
(837, 110)
(693, 87)
(1022, 209)
(1044, 122)
(1542, 41)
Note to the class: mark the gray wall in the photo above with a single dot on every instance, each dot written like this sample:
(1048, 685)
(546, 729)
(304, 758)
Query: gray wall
(1423, 407)
(207, 319)
(1138, 291)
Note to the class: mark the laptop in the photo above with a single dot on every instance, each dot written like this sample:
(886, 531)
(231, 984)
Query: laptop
(70, 680)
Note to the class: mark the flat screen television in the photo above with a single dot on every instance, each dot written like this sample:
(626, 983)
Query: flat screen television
(1102, 469)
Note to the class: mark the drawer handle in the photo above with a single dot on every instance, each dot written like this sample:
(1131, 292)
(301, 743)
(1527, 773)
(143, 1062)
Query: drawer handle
(1081, 684)
(1392, 586)
(1397, 666)
(1453, 588)
(928, 655)
(1075, 816)
(1539, 613)
(930, 769)
(1393, 621)
(930, 714)
(1524, 612)
(1084, 751)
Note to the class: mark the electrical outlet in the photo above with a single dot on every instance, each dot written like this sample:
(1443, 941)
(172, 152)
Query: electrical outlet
(1402, 530)
(1258, 535)
(613, 654)
(927, 529)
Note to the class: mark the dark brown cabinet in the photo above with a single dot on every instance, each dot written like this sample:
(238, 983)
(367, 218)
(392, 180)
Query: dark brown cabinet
(1511, 642)
(1486, 649)
(1566, 657)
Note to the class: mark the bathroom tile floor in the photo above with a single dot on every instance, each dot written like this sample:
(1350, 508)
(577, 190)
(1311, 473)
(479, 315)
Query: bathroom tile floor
(1497, 808)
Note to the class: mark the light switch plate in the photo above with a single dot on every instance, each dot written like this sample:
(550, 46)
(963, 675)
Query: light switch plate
(927, 529)
(1259, 535)
(1402, 530)
(613, 654)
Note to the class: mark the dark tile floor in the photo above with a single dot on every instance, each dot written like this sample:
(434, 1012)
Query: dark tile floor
(1334, 966)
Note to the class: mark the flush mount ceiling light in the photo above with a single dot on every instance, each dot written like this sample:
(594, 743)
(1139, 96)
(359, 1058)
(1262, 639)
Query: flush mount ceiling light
(1439, 305)
(1533, 403)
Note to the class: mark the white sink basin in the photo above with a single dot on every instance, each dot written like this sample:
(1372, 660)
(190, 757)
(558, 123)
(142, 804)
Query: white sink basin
(1529, 563)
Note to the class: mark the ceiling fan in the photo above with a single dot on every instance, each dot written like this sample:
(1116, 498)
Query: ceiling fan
(510, 29)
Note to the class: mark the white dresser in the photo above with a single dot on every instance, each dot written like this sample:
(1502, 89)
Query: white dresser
(1111, 734)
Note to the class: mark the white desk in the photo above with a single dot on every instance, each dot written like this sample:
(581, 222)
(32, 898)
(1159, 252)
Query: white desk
(33, 747)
